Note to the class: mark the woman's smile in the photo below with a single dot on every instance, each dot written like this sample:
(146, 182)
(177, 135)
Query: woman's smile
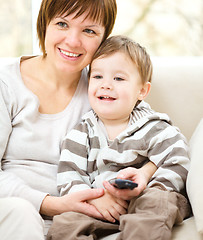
(71, 42)
(69, 54)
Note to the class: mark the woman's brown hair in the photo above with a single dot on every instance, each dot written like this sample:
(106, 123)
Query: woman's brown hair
(101, 11)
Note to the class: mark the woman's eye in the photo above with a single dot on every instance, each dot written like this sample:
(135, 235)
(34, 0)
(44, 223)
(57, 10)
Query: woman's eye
(119, 79)
(89, 31)
(62, 24)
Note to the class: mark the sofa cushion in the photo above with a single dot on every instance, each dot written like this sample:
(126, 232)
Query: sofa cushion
(186, 231)
(195, 176)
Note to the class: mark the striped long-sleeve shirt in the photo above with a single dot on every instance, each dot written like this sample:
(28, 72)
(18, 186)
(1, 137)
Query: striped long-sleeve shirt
(88, 158)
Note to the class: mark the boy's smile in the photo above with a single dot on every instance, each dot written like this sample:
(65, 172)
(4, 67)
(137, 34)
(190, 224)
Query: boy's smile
(106, 98)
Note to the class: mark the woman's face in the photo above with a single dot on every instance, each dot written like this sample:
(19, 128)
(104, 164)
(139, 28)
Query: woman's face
(71, 42)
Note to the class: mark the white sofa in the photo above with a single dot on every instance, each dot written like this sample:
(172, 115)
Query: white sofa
(177, 89)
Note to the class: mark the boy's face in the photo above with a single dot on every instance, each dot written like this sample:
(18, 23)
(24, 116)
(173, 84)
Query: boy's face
(115, 86)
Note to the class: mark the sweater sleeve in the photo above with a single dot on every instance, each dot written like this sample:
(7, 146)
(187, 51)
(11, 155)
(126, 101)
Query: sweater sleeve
(168, 149)
(72, 170)
(10, 184)
(5, 119)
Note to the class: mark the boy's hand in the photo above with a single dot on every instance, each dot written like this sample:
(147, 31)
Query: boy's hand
(136, 175)
(109, 206)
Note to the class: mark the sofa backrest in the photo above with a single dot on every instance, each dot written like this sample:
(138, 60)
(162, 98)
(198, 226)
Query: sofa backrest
(177, 89)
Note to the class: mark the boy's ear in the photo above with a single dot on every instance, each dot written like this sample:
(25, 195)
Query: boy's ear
(144, 91)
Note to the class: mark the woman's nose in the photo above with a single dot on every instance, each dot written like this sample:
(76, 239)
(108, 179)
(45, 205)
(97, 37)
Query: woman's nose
(73, 39)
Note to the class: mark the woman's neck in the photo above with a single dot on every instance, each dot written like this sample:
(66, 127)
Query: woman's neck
(58, 78)
(53, 88)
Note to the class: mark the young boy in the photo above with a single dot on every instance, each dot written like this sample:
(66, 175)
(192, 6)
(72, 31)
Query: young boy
(120, 135)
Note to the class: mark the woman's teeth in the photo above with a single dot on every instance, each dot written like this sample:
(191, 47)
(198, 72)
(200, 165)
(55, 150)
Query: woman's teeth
(69, 54)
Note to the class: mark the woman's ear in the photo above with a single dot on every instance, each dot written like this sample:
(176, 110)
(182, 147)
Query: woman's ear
(144, 91)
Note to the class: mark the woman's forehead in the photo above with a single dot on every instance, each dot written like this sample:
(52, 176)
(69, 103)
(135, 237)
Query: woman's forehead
(90, 13)
(84, 18)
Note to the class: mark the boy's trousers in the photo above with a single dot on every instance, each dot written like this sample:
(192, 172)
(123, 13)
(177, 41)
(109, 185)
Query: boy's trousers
(150, 216)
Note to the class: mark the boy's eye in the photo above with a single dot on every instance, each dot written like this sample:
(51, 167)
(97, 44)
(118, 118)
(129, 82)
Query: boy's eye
(119, 79)
(62, 24)
(97, 77)
(89, 31)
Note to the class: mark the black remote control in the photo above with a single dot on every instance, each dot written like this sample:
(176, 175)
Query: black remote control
(123, 183)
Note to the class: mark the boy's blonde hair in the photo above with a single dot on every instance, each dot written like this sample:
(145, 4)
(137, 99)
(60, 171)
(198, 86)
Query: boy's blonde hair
(101, 11)
(132, 49)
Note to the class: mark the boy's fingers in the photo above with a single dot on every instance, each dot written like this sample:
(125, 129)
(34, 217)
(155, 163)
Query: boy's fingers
(90, 194)
(126, 173)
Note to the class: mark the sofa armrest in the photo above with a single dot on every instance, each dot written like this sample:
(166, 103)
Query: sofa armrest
(195, 176)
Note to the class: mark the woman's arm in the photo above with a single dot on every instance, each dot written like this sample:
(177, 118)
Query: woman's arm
(11, 184)
(76, 202)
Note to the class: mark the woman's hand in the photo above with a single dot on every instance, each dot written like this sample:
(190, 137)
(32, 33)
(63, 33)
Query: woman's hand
(75, 202)
(109, 206)
(140, 176)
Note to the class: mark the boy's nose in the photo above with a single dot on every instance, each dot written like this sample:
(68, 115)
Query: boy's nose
(106, 84)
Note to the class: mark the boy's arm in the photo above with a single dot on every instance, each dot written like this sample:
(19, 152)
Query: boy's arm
(72, 169)
(148, 170)
(172, 159)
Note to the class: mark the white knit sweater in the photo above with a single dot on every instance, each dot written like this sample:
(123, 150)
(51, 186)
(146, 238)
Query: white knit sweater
(29, 141)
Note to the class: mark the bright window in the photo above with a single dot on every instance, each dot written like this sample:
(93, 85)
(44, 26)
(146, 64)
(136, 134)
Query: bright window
(15, 27)
(164, 27)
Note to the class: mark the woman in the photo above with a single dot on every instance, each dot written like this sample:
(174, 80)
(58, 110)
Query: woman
(41, 98)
